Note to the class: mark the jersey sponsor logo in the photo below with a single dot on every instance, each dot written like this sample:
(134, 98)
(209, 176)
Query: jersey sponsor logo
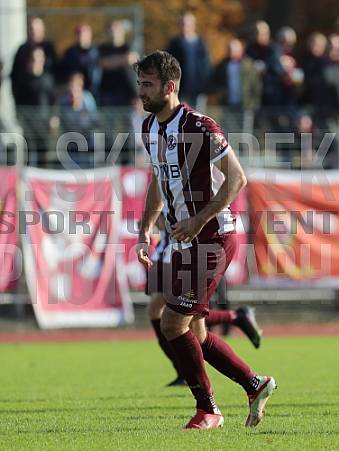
(167, 171)
(171, 142)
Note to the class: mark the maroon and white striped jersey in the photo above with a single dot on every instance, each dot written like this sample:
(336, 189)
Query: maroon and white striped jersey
(183, 150)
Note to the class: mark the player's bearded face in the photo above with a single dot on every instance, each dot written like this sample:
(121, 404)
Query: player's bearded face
(152, 93)
(154, 104)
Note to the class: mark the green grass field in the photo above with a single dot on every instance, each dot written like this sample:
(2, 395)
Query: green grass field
(111, 396)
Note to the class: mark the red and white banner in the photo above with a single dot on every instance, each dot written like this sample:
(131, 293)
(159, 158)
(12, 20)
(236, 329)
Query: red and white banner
(134, 183)
(10, 261)
(237, 273)
(295, 226)
(74, 261)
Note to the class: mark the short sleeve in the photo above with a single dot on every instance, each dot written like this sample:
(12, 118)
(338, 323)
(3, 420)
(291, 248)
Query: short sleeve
(218, 146)
(214, 142)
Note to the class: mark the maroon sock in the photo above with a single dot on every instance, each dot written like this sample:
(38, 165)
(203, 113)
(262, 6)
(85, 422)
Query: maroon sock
(221, 356)
(189, 354)
(220, 316)
(165, 346)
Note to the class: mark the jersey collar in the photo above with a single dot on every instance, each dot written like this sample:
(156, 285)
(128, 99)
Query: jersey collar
(172, 116)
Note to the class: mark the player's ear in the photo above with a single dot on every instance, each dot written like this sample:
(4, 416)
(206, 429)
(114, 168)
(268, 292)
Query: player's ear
(170, 87)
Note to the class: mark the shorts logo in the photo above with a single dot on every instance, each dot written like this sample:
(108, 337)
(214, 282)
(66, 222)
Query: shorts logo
(185, 304)
(189, 295)
(187, 299)
(171, 142)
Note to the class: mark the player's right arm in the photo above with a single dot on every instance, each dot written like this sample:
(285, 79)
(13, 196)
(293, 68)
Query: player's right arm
(153, 207)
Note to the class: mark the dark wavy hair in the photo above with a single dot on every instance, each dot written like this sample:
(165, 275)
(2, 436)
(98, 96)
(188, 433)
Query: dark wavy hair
(164, 63)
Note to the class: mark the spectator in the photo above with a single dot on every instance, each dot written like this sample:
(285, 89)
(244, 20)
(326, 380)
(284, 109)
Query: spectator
(332, 67)
(192, 54)
(78, 113)
(292, 78)
(286, 41)
(305, 151)
(308, 138)
(118, 85)
(235, 79)
(82, 57)
(318, 92)
(35, 37)
(35, 89)
(267, 63)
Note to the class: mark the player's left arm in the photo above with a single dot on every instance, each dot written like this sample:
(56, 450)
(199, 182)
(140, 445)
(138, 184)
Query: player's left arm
(235, 180)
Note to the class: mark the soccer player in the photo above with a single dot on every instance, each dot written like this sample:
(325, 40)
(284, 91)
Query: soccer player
(196, 176)
(243, 317)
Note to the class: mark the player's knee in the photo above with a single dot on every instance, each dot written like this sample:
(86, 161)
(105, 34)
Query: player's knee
(167, 328)
(198, 327)
(170, 328)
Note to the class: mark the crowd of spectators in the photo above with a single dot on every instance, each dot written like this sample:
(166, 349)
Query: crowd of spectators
(284, 87)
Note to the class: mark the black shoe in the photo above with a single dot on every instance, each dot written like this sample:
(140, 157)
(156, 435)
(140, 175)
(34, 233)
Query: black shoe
(177, 382)
(247, 323)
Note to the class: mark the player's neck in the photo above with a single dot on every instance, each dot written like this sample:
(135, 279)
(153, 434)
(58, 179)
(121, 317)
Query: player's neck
(168, 110)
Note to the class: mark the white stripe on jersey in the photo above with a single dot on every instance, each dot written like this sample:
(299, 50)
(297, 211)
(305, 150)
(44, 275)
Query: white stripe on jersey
(176, 187)
(163, 251)
(172, 160)
(161, 246)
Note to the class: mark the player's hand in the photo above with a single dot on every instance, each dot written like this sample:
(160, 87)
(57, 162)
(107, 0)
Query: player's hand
(187, 229)
(142, 250)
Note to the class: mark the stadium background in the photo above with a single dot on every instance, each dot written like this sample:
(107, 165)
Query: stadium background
(215, 18)
(145, 24)
(286, 311)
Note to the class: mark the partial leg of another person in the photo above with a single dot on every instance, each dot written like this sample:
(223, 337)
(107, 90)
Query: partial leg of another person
(156, 306)
(155, 309)
(243, 317)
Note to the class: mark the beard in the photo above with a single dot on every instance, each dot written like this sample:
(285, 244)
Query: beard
(154, 106)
